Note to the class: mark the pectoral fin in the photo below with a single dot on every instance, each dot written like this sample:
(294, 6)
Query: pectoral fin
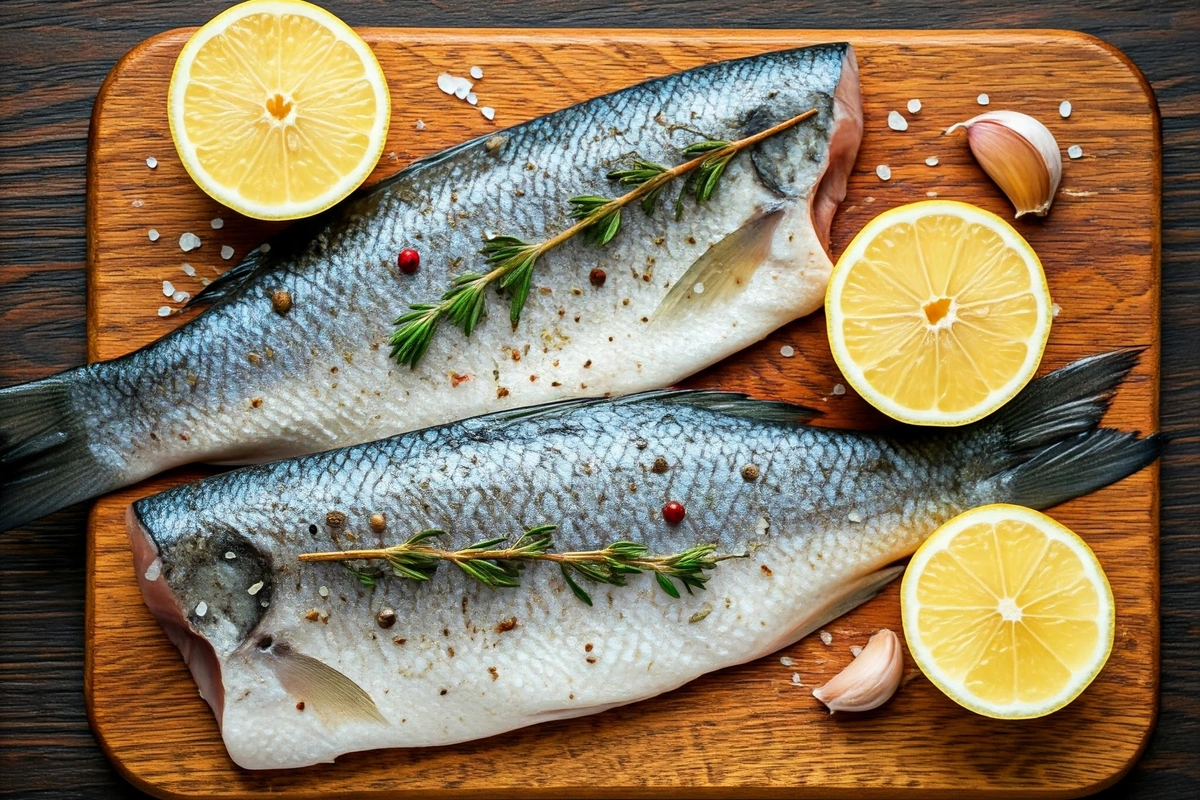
(841, 600)
(328, 692)
(724, 270)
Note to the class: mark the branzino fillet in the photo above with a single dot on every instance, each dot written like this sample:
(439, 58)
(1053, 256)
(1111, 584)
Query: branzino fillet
(243, 383)
(302, 662)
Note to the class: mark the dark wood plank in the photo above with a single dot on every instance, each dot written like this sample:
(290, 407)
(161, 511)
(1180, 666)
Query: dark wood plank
(53, 57)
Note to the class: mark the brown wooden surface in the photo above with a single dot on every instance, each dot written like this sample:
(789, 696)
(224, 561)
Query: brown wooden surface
(747, 730)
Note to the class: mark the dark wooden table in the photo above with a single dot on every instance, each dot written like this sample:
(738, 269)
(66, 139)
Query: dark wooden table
(53, 57)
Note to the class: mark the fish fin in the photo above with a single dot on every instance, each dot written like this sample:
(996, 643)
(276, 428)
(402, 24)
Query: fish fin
(45, 461)
(230, 280)
(731, 403)
(1053, 448)
(725, 269)
(330, 693)
(841, 600)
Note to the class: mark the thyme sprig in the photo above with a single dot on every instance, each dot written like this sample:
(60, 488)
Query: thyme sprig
(511, 260)
(494, 563)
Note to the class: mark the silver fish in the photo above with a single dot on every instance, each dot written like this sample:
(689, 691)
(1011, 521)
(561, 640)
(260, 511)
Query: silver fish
(245, 383)
(301, 662)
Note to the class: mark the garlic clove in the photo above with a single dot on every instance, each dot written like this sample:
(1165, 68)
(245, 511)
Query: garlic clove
(870, 680)
(1020, 154)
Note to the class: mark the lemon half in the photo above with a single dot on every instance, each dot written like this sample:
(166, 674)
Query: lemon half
(1007, 612)
(938, 312)
(278, 109)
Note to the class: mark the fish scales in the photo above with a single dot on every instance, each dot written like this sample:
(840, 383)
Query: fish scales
(465, 661)
(241, 383)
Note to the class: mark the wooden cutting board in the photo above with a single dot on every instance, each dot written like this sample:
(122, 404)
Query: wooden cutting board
(746, 731)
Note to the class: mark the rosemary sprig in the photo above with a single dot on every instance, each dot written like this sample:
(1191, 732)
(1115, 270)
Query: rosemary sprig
(512, 260)
(493, 564)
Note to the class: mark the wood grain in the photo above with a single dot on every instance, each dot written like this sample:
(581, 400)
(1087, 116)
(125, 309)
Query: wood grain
(758, 734)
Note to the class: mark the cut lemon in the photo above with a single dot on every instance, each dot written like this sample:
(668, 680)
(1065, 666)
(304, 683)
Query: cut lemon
(278, 109)
(938, 312)
(1007, 612)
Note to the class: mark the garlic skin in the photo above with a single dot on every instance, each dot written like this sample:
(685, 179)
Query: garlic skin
(1020, 154)
(870, 680)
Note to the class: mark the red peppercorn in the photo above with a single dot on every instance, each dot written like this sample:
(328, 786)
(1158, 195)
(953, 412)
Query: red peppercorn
(673, 512)
(598, 277)
(408, 260)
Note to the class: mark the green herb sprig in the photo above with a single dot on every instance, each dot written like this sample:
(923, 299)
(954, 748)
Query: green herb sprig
(511, 260)
(498, 566)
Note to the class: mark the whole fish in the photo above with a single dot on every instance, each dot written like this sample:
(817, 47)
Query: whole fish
(293, 355)
(301, 661)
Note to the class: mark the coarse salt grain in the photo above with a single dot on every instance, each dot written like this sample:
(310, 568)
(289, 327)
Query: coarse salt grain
(181, 296)
(473, 98)
(1054, 309)
(420, 125)
(796, 679)
(154, 570)
(323, 591)
(217, 223)
(762, 526)
(488, 112)
(787, 662)
(1064, 109)
(164, 311)
(856, 651)
(254, 589)
(447, 83)
(189, 270)
(229, 554)
(462, 88)
(698, 288)
(168, 288)
(826, 637)
(188, 242)
(205, 281)
(932, 161)
(153, 234)
(226, 252)
(896, 121)
(983, 99)
(931, 194)
(476, 73)
(137, 204)
(1075, 151)
(264, 248)
(854, 516)
(787, 351)
(264, 603)
(838, 389)
(914, 106)
(884, 172)
(201, 608)
(151, 162)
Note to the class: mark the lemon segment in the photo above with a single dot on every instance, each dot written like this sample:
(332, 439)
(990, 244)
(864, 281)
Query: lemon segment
(278, 109)
(938, 312)
(1007, 612)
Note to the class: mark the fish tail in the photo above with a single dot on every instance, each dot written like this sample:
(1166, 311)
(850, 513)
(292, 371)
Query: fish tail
(1054, 448)
(45, 460)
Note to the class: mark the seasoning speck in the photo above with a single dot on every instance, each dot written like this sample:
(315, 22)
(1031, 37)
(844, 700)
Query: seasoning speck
(323, 591)
(786, 661)
(137, 204)
(168, 288)
(597, 277)
(281, 301)
(230, 555)
(164, 311)
(335, 519)
(217, 223)
(884, 172)
(796, 679)
(420, 125)
(1075, 151)
(378, 522)
(476, 73)
(386, 618)
(154, 570)
(914, 106)
(750, 472)
(226, 252)
(854, 516)
(896, 121)
(856, 651)
(188, 242)
(698, 288)
(826, 637)
(932, 161)
(153, 234)
(838, 389)
(1064, 109)
(264, 248)
(660, 466)
(787, 351)
(189, 270)
(1054, 309)
(983, 100)
(488, 112)
(151, 162)
(255, 588)
(201, 608)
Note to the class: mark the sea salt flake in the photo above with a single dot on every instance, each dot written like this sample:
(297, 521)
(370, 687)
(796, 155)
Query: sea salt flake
(189, 270)
(1054, 309)
(786, 661)
(229, 554)
(854, 516)
(205, 281)
(488, 112)
(896, 121)
(1075, 151)
(698, 288)
(151, 162)
(168, 288)
(787, 351)
(264, 248)
(137, 204)
(796, 679)
(264, 603)
(856, 651)
(180, 296)
(826, 637)
(323, 591)
(473, 98)
(188, 242)
(932, 161)
(201, 608)
(838, 389)
(217, 224)
(164, 311)
(447, 83)
(226, 252)
(914, 106)
(931, 194)
(1064, 109)
(154, 570)
(253, 590)
(153, 234)
(462, 88)
(884, 172)
(420, 125)
(476, 73)
(983, 99)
